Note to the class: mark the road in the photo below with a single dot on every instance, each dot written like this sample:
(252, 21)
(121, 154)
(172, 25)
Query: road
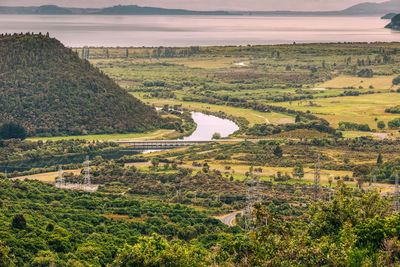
(229, 218)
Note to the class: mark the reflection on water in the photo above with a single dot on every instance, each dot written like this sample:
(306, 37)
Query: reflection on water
(199, 30)
(207, 125)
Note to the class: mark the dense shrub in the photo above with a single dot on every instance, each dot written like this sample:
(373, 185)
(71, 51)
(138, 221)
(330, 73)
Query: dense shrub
(352, 126)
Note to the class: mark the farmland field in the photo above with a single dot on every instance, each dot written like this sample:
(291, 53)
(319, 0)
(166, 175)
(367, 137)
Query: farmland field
(359, 109)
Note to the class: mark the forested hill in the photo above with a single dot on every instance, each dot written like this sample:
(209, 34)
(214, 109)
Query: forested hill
(48, 89)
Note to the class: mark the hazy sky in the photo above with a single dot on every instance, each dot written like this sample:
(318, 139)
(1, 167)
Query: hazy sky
(202, 4)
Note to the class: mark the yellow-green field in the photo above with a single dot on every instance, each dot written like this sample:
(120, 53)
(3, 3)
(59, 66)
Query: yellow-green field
(346, 81)
(159, 134)
(358, 109)
(192, 62)
(48, 177)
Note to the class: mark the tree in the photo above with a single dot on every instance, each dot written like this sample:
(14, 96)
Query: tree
(50, 227)
(366, 73)
(278, 151)
(328, 218)
(156, 251)
(216, 136)
(12, 130)
(18, 222)
(396, 80)
(47, 258)
(174, 166)
(361, 171)
(330, 181)
(394, 124)
(381, 125)
(166, 166)
(155, 163)
(379, 160)
(298, 118)
(5, 260)
(298, 171)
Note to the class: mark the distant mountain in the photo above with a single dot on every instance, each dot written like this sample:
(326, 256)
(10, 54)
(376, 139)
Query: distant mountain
(115, 10)
(53, 10)
(395, 23)
(363, 9)
(138, 10)
(48, 89)
(392, 6)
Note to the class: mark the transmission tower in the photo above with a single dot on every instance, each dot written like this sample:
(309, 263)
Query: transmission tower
(60, 181)
(396, 193)
(317, 175)
(86, 172)
(179, 195)
(252, 196)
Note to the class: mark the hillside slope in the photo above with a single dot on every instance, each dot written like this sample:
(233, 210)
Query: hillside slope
(48, 89)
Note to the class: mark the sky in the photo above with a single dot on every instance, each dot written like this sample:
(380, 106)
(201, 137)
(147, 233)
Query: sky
(261, 5)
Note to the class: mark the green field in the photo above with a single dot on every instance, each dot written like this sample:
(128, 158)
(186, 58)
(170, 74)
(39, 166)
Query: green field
(359, 109)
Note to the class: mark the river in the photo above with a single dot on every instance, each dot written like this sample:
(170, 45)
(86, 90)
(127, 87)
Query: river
(207, 125)
(112, 31)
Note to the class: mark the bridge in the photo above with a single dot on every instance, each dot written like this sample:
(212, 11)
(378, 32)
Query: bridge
(167, 144)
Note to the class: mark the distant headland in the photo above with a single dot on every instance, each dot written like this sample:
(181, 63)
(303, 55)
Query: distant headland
(395, 23)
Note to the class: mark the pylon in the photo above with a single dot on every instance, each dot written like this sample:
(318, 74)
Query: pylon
(317, 175)
(60, 182)
(86, 171)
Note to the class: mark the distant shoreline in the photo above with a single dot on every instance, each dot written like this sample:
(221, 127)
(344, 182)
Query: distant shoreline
(134, 10)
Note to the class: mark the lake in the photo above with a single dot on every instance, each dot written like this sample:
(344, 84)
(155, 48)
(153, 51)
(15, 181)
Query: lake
(77, 31)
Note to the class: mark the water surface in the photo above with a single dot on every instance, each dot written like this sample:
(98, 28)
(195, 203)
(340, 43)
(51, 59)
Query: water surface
(77, 31)
(207, 125)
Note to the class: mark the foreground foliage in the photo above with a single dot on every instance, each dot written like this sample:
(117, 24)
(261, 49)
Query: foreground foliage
(41, 226)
